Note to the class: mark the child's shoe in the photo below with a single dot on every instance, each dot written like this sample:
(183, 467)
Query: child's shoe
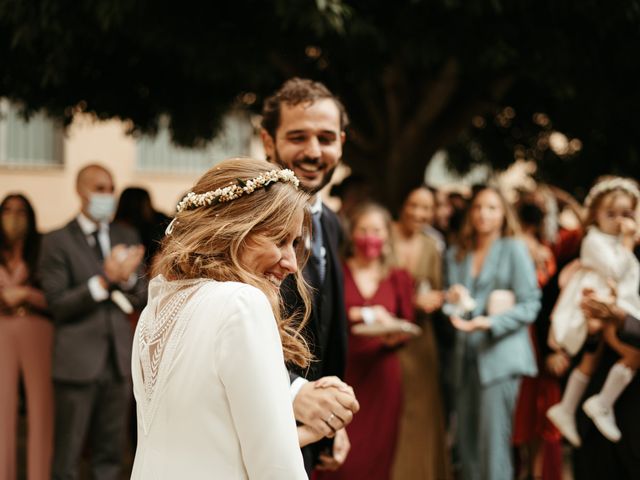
(603, 417)
(566, 423)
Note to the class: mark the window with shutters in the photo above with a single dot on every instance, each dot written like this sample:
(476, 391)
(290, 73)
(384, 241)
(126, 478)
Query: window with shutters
(33, 143)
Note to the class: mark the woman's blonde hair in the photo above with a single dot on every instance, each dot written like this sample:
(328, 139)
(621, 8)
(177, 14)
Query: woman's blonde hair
(388, 258)
(467, 237)
(207, 241)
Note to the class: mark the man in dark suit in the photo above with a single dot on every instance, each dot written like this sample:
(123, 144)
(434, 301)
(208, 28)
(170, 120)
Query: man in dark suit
(88, 271)
(303, 129)
(598, 457)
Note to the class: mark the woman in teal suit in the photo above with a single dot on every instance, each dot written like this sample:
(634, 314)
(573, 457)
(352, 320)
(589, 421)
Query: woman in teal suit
(492, 352)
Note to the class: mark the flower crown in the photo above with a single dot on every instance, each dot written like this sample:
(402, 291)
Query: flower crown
(616, 183)
(231, 192)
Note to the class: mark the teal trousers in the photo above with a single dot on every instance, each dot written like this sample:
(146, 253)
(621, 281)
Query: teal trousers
(484, 416)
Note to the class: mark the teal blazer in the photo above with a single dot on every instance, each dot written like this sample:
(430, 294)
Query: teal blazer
(505, 350)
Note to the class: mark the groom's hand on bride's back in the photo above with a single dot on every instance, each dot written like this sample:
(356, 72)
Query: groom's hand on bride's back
(326, 405)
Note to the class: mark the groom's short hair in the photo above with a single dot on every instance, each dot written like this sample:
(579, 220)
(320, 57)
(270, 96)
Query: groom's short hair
(294, 92)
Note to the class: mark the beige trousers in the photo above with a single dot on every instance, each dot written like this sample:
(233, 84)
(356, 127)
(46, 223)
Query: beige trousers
(25, 351)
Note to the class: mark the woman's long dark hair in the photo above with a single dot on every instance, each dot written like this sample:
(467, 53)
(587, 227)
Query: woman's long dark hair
(32, 238)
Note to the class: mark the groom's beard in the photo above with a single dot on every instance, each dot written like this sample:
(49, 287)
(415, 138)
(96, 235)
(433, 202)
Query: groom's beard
(310, 190)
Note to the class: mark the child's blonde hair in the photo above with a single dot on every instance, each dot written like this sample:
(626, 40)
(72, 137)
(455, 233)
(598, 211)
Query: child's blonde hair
(602, 188)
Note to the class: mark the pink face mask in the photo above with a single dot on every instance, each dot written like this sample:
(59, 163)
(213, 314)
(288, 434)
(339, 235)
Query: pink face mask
(368, 246)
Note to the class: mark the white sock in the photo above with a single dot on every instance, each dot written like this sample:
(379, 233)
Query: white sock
(617, 380)
(576, 385)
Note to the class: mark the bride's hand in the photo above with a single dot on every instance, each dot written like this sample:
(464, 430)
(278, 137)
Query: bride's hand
(307, 435)
(332, 381)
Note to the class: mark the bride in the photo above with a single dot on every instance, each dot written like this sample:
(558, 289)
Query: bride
(209, 355)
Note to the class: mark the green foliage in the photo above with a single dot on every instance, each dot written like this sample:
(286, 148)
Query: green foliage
(141, 60)
(414, 74)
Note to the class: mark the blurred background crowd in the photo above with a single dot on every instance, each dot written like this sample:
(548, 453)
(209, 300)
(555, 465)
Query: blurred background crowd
(465, 117)
(398, 264)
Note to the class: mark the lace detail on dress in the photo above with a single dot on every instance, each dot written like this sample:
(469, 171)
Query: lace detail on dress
(160, 330)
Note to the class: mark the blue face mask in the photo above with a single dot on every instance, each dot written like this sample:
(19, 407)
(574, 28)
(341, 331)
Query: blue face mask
(101, 206)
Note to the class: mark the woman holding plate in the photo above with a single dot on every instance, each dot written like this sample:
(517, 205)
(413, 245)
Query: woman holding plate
(375, 294)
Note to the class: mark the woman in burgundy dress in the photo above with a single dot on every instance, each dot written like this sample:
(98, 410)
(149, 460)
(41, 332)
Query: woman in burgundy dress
(374, 292)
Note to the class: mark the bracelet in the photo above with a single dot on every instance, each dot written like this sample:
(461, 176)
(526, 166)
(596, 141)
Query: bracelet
(368, 315)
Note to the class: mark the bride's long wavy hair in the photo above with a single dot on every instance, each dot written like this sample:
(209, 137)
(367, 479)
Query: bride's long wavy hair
(207, 241)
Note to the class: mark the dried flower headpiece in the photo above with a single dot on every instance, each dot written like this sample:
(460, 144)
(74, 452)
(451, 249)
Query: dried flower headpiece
(236, 190)
(616, 183)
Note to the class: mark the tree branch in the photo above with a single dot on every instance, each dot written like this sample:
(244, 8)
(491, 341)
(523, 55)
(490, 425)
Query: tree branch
(435, 96)
(390, 84)
(285, 67)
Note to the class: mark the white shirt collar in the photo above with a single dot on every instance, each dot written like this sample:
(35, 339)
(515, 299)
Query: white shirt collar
(89, 226)
(316, 206)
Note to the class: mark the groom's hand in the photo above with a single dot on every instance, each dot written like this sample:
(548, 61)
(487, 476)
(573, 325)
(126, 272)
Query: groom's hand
(341, 447)
(326, 410)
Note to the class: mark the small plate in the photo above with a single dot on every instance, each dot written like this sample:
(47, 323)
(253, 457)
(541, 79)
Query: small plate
(381, 329)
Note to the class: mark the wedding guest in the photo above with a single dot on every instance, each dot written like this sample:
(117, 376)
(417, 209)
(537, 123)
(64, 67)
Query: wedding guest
(459, 206)
(600, 458)
(26, 336)
(422, 450)
(136, 211)
(375, 291)
(429, 205)
(606, 255)
(537, 440)
(493, 351)
(89, 274)
(210, 348)
(444, 210)
(353, 191)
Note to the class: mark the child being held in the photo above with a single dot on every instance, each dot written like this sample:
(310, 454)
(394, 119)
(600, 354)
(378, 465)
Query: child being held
(606, 259)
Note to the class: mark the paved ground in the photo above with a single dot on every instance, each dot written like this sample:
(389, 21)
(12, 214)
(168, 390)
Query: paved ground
(128, 459)
(85, 473)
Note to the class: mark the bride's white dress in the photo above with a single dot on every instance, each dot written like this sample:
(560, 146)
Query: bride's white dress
(211, 386)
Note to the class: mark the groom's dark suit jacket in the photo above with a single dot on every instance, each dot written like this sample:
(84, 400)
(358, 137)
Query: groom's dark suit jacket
(326, 330)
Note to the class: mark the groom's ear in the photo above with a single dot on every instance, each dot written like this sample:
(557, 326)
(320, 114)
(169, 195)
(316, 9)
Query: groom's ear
(269, 144)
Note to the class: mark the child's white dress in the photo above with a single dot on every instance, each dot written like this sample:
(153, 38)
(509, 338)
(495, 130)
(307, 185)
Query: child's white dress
(602, 257)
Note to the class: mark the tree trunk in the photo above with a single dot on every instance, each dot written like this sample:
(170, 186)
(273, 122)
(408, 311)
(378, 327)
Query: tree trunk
(408, 135)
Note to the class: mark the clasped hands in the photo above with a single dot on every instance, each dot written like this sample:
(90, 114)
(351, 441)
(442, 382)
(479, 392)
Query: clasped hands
(122, 262)
(455, 295)
(324, 408)
(15, 296)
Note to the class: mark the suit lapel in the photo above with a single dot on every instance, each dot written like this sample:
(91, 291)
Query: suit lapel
(329, 289)
(465, 271)
(114, 237)
(311, 274)
(489, 269)
(83, 248)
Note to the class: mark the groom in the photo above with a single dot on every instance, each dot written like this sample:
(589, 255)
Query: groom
(303, 129)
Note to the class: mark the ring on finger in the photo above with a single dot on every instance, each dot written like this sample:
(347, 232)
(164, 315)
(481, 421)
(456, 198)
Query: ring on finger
(328, 422)
(331, 417)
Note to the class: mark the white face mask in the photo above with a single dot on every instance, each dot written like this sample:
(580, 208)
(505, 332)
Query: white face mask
(101, 206)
